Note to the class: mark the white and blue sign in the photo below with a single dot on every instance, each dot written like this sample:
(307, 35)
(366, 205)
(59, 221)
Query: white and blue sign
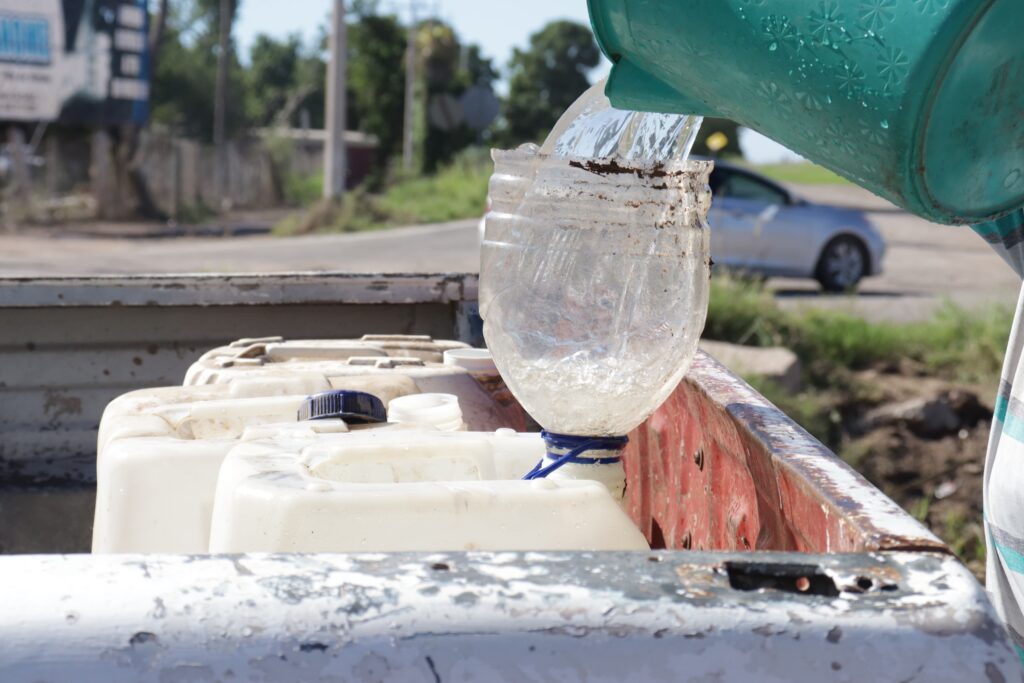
(82, 62)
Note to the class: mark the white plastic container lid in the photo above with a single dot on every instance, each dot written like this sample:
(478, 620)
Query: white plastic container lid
(474, 360)
(442, 411)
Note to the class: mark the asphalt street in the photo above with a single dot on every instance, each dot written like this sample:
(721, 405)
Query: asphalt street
(926, 264)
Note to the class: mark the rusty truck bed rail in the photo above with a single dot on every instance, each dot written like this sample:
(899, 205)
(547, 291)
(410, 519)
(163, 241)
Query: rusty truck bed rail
(719, 467)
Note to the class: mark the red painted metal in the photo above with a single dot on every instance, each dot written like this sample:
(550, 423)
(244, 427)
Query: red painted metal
(718, 467)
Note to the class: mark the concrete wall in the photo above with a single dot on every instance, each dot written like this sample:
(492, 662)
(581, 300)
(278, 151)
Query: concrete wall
(78, 175)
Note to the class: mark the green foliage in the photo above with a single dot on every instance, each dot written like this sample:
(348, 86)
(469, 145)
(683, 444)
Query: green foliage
(449, 70)
(967, 344)
(294, 188)
(742, 312)
(302, 190)
(183, 81)
(377, 46)
(546, 78)
(954, 343)
(283, 79)
(271, 76)
(376, 79)
(479, 69)
(458, 190)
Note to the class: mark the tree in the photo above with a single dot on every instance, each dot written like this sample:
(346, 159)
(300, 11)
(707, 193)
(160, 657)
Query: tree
(449, 69)
(547, 78)
(376, 80)
(270, 77)
(181, 95)
(479, 69)
(283, 79)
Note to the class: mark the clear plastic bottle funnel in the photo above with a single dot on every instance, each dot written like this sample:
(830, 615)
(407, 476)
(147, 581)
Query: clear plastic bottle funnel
(595, 270)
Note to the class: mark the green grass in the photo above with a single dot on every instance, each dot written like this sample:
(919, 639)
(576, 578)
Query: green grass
(303, 190)
(802, 172)
(955, 344)
(454, 192)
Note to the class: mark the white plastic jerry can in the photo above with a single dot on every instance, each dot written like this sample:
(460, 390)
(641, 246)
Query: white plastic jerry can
(225, 362)
(444, 367)
(408, 490)
(159, 451)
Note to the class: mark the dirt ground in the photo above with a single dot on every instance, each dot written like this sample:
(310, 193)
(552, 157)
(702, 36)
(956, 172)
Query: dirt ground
(923, 441)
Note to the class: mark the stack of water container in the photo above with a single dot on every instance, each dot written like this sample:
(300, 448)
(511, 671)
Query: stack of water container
(385, 443)
(594, 289)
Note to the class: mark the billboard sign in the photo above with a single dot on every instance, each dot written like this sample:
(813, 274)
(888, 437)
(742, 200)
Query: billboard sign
(74, 61)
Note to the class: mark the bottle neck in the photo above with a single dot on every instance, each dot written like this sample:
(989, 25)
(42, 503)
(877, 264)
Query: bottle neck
(568, 449)
(580, 457)
(584, 450)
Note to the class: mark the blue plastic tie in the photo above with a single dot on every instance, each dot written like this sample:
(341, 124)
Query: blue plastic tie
(575, 446)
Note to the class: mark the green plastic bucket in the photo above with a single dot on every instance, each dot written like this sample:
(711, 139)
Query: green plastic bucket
(920, 101)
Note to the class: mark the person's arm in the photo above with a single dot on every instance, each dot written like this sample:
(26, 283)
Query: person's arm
(1006, 236)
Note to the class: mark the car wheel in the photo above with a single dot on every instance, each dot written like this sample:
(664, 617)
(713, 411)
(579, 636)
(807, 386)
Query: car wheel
(843, 263)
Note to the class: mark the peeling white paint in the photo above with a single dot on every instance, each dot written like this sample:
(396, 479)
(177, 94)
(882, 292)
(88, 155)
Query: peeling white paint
(491, 617)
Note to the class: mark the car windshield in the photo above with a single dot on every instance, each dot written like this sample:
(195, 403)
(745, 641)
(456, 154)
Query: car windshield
(728, 183)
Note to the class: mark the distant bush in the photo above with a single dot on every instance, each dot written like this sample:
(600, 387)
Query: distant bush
(457, 191)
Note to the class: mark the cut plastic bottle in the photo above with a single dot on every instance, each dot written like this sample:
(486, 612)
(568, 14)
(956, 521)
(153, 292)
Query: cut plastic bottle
(595, 269)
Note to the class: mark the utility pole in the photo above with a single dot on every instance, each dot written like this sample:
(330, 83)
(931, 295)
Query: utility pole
(334, 143)
(220, 101)
(410, 90)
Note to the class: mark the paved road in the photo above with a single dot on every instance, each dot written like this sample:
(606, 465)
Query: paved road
(448, 247)
(926, 263)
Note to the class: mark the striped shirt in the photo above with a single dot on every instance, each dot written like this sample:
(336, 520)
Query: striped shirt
(1004, 473)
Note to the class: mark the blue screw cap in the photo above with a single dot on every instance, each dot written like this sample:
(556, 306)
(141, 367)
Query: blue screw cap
(354, 407)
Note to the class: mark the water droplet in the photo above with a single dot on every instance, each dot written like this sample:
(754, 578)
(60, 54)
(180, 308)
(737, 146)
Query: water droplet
(828, 100)
(773, 46)
(884, 124)
(246, 632)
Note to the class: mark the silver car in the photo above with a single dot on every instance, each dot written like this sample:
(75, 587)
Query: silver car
(760, 227)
